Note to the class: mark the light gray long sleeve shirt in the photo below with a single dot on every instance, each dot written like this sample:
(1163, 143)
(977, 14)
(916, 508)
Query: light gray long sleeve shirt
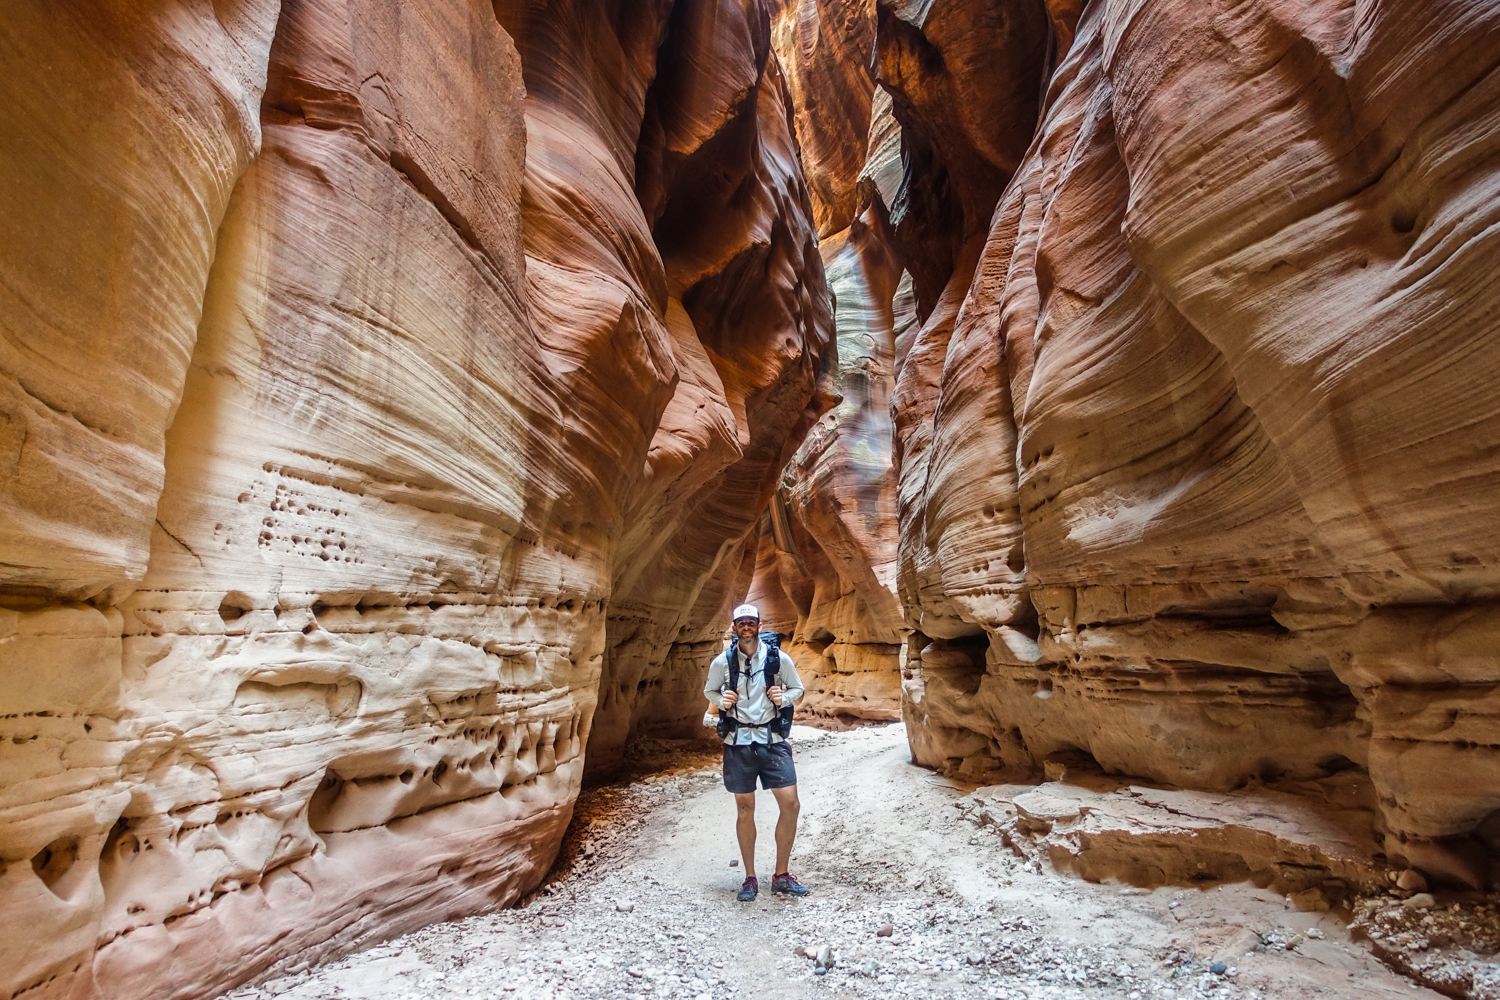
(754, 706)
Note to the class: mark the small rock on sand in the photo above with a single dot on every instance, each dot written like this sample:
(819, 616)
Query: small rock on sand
(1412, 881)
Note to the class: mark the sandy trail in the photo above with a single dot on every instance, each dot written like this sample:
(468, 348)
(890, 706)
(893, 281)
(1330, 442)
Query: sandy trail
(642, 905)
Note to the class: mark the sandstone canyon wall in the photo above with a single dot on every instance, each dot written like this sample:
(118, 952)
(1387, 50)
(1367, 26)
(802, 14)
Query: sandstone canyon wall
(826, 567)
(953, 106)
(1196, 434)
(385, 421)
(396, 394)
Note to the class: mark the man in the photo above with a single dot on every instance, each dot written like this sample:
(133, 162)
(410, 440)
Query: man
(752, 749)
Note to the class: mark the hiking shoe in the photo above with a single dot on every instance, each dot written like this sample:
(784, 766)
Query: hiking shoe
(788, 884)
(748, 890)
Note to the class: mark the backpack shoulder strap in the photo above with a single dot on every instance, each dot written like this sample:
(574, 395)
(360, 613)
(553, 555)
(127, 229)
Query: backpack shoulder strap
(732, 661)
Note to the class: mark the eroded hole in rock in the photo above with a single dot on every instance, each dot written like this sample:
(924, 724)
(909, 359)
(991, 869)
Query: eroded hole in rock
(54, 861)
(234, 606)
(1337, 763)
(321, 807)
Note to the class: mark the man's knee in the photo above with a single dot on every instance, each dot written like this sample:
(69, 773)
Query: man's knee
(745, 803)
(787, 799)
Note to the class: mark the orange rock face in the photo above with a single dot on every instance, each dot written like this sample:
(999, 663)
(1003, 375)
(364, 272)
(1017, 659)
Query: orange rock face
(394, 396)
(825, 570)
(1196, 467)
(1192, 408)
(825, 576)
(388, 418)
(824, 47)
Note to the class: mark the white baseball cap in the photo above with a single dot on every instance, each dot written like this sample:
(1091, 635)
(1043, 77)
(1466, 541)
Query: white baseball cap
(745, 611)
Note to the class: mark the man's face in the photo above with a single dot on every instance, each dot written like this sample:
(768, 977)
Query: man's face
(746, 629)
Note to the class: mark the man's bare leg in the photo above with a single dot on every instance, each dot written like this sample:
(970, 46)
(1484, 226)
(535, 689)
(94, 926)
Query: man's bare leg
(744, 828)
(786, 826)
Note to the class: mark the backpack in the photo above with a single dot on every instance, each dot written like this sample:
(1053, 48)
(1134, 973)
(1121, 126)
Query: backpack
(781, 723)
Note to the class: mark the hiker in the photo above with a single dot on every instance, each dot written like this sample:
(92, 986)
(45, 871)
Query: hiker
(755, 686)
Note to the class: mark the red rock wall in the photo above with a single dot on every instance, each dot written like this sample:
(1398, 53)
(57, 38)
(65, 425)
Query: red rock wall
(718, 176)
(1194, 430)
(384, 405)
(827, 560)
(954, 109)
(825, 569)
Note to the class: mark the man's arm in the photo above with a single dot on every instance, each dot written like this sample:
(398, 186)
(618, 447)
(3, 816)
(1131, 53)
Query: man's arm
(718, 673)
(790, 681)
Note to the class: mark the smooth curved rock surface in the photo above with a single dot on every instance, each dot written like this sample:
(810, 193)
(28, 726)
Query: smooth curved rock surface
(720, 183)
(964, 79)
(1193, 412)
(825, 571)
(824, 47)
(125, 131)
(1196, 469)
(396, 396)
(430, 366)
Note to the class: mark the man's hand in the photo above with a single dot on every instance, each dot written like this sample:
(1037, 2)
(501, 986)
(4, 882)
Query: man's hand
(729, 698)
(776, 691)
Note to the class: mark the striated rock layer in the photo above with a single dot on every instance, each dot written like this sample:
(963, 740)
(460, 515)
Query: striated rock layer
(825, 572)
(825, 569)
(1197, 445)
(365, 366)
(1193, 422)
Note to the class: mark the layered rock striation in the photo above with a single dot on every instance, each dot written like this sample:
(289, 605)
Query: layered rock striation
(1192, 429)
(395, 396)
(955, 105)
(825, 570)
(1195, 444)
(386, 414)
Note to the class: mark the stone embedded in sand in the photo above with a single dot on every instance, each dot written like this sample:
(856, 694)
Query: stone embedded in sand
(1412, 881)
(1309, 900)
(1039, 811)
(1106, 829)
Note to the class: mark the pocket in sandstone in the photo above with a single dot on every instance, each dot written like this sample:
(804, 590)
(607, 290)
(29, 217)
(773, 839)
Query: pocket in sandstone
(369, 790)
(320, 700)
(53, 863)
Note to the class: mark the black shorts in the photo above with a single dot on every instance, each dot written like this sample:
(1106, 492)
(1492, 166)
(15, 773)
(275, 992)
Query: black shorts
(771, 762)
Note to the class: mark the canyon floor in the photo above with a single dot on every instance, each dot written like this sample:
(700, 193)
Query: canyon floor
(641, 905)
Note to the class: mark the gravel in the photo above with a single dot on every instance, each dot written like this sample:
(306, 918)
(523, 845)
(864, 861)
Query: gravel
(641, 907)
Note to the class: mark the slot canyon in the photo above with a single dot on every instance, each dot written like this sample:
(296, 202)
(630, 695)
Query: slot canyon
(397, 395)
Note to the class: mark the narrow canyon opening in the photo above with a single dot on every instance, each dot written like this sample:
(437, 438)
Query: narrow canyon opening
(1096, 396)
